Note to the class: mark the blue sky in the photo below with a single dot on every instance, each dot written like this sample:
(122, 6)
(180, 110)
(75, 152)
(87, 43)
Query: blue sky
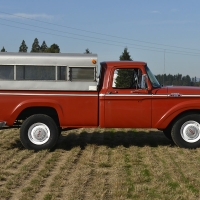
(148, 28)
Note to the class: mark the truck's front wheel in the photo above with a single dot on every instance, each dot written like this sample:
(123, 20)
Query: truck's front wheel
(186, 131)
(39, 132)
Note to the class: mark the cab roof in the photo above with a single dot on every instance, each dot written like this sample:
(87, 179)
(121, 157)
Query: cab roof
(123, 63)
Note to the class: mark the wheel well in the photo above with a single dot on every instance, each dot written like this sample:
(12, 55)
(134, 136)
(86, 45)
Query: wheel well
(187, 112)
(51, 112)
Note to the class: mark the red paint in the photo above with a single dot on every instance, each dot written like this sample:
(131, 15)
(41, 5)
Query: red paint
(109, 107)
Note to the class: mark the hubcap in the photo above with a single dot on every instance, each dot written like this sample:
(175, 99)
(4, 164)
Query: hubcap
(38, 133)
(190, 131)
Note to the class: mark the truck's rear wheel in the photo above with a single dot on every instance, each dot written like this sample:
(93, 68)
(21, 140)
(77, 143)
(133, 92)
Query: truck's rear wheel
(167, 133)
(39, 132)
(186, 131)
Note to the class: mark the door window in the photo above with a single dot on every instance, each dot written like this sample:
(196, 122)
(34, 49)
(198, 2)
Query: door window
(127, 78)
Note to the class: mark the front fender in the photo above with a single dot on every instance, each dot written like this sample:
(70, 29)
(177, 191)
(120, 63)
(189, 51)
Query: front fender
(175, 111)
(36, 103)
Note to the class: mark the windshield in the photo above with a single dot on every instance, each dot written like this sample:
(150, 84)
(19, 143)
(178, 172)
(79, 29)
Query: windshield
(152, 78)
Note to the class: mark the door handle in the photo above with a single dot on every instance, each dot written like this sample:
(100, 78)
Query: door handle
(113, 92)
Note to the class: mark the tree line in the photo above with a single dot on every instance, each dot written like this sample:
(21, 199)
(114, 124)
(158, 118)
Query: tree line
(36, 48)
(177, 79)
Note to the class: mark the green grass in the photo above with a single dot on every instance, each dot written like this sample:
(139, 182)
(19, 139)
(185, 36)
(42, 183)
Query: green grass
(99, 164)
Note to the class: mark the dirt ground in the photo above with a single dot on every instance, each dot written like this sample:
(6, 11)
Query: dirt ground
(108, 164)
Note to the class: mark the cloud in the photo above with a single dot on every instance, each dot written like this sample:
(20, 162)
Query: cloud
(26, 15)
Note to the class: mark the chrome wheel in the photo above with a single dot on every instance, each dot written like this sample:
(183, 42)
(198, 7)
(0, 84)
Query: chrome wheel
(190, 131)
(38, 133)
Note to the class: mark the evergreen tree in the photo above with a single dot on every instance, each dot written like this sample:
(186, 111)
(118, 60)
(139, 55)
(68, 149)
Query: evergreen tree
(35, 46)
(176, 79)
(87, 51)
(43, 47)
(23, 47)
(54, 48)
(124, 76)
(187, 80)
(125, 55)
(3, 50)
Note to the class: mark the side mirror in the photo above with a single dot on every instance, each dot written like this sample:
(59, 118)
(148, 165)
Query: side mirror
(144, 81)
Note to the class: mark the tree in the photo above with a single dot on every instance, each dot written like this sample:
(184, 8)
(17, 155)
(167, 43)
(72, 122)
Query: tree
(43, 47)
(35, 46)
(176, 79)
(3, 50)
(23, 47)
(87, 51)
(54, 48)
(124, 76)
(187, 80)
(125, 55)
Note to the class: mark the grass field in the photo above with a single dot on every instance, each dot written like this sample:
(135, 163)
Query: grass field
(107, 164)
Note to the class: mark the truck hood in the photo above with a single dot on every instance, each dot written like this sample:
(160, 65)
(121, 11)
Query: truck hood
(183, 90)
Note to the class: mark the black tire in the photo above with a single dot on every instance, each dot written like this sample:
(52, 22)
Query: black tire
(186, 131)
(39, 132)
(59, 131)
(167, 133)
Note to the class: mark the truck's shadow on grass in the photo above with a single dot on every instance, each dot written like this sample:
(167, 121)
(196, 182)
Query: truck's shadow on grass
(109, 138)
(113, 139)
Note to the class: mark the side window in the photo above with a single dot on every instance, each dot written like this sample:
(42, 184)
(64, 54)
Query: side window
(127, 78)
(82, 74)
(7, 72)
(35, 73)
(61, 73)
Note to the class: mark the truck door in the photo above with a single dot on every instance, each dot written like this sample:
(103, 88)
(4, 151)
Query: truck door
(126, 104)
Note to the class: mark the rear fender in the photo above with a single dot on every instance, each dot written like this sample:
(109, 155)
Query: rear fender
(36, 103)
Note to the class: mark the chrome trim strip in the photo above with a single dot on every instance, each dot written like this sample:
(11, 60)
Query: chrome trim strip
(189, 95)
(147, 95)
(132, 95)
(32, 94)
(101, 95)
(160, 95)
(127, 95)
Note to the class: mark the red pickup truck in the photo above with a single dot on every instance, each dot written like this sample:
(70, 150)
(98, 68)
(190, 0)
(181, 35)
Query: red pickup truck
(45, 93)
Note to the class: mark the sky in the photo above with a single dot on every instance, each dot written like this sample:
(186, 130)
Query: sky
(165, 34)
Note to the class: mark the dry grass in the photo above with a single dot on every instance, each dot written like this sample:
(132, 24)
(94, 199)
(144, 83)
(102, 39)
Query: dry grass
(99, 164)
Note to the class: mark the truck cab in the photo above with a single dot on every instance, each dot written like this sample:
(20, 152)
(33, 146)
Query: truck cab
(131, 96)
(124, 96)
